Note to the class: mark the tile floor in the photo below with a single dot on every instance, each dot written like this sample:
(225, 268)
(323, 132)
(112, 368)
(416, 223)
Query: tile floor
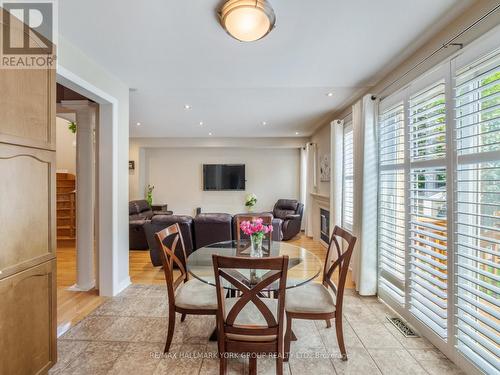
(126, 335)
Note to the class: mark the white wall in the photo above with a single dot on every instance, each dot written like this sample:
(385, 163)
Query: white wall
(178, 177)
(65, 147)
(78, 72)
(322, 140)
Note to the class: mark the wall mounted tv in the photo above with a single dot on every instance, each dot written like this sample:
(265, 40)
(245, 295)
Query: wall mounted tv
(223, 177)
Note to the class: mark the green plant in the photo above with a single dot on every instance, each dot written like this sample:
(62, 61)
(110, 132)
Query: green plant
(72, 126)
(149, 194)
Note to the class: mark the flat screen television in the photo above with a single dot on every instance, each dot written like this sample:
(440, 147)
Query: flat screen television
(223, 177)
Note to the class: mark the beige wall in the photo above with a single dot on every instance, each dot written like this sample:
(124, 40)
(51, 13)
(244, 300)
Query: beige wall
(178, 178)
(65, 146)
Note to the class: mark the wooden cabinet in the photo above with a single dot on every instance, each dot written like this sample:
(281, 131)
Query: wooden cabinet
(28, 320)
(27, 221)
(27, 202)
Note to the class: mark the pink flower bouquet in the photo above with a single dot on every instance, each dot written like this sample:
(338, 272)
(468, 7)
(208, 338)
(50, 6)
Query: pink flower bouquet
(255, 228)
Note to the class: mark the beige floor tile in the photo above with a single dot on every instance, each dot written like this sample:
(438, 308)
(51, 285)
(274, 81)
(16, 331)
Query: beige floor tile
(122, 329)
(311, 363)
(97, 359)
(67, 351)
(90, 328)
(138, 358)
(409, 342)
(359, 362)
(329, 337)
(435, 362)
(396, 362)
(182, 360)
(154, 330)
(375, 336)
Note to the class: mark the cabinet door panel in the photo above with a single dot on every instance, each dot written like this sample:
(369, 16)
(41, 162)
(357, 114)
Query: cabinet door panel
(27, 214)
(27, 100)
(28, 320)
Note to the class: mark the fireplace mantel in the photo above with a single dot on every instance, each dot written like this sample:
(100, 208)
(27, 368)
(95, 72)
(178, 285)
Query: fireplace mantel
(320, 198)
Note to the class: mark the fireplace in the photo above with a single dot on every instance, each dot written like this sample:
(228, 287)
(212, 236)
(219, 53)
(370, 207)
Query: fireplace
(324, 225)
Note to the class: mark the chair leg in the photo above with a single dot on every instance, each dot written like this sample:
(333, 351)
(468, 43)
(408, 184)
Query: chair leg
(340, 336)
(170, 332)
(288, 336)
(328, 323)
(279, 364)
(222, 365)
(183, 317)
(252, 365)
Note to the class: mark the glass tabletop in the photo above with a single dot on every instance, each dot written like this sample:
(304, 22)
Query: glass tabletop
(303, 266)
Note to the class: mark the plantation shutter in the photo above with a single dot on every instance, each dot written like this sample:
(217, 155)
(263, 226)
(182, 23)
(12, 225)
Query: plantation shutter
(391, 212)
(348, 177)
(428, 207)
(477, 116)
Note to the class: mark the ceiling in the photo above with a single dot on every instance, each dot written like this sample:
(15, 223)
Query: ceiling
(173, 53)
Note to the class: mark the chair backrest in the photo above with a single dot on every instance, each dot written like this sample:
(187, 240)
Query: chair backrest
(168, 239)
(266, 219)
(225, 268)
(338, 258)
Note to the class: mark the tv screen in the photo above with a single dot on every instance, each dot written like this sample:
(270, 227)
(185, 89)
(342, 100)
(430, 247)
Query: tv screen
(223, 177)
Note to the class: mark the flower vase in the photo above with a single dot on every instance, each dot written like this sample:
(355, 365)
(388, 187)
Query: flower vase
(256, 246)
(250, 209)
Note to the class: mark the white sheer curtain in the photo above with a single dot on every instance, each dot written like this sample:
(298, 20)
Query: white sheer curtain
(364, 261)
(310, 186)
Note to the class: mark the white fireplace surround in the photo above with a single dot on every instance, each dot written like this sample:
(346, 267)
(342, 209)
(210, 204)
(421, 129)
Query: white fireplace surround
(319, 201)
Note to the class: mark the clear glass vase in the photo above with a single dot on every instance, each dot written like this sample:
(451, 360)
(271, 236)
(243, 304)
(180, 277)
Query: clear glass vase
(256, 246)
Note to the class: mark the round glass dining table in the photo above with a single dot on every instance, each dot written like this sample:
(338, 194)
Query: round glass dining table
(303, 266)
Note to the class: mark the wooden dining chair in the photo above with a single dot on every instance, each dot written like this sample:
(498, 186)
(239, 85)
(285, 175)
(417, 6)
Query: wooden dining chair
(316, 301)
(251, 323)
(266, 220)
(184, 296)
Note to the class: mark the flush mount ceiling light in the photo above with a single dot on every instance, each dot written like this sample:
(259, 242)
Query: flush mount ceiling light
(247, 20)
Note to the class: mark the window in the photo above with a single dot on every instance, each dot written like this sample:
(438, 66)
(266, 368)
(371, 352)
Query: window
(427, 204)
(348, 177)
(391, 212)
(439, 205)
(477, 116)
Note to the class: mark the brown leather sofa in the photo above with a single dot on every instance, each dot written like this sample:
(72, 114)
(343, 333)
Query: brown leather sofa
(139, 213)
(289, 213)
(211, 228)
(159, 222)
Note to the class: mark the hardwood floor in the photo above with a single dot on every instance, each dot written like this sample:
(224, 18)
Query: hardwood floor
(74, 306)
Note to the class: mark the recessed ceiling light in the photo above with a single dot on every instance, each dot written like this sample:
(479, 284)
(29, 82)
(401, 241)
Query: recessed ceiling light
(264, 123)
(201, 123)
(297, 133)
(138, 124)
(209, 133)
(330, 94)
(187, 106)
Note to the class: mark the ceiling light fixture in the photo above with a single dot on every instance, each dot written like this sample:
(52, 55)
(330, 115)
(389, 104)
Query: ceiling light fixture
(330, 94)
(201, 123)
(138, 124)
(297, 133)
(247, 20)
(209, 133)
(187, 106)
(264, 123)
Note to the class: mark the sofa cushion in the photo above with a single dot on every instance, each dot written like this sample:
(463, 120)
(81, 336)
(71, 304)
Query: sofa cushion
(142, 205)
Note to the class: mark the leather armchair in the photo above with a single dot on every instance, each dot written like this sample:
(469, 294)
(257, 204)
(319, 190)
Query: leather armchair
(290, 212)
(159, 222)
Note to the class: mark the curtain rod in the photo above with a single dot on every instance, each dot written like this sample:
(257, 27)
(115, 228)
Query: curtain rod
(443, 46)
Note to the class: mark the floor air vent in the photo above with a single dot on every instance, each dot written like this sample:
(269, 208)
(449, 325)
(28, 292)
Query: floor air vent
(402, 327)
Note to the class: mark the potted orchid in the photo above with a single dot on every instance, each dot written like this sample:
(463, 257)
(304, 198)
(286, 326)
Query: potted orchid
(256, 230)
(250, 201)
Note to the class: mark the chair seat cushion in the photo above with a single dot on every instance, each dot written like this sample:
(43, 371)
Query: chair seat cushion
(310, 298)
(251, 316)
(196, 295)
